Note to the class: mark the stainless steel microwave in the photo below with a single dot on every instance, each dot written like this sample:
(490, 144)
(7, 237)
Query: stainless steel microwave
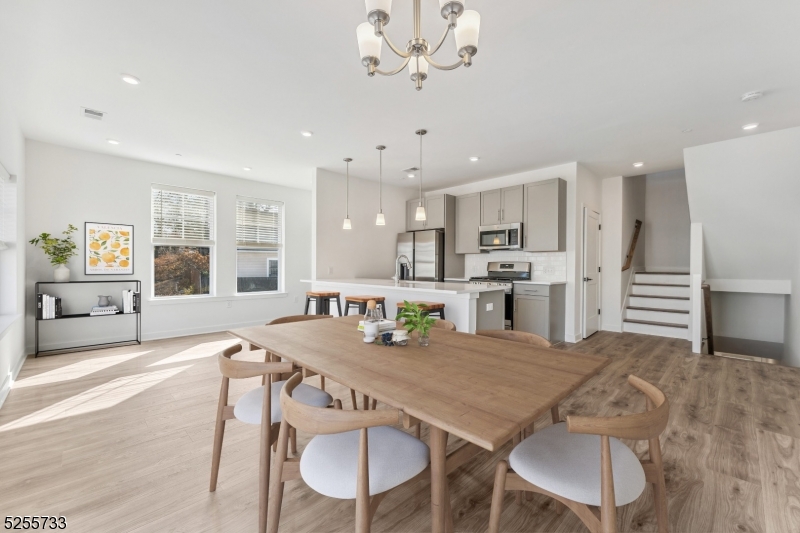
(501, 237)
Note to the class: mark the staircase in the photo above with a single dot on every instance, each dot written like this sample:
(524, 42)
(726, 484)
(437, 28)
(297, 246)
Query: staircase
(658, 304)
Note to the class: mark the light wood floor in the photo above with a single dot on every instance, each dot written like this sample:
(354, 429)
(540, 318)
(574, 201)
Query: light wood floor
(120, 440)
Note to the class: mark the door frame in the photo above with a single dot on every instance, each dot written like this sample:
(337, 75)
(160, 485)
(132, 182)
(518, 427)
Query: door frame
(584, 209)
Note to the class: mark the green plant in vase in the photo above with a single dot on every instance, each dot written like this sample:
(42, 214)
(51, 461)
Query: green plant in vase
(416, 319)
(58, 250)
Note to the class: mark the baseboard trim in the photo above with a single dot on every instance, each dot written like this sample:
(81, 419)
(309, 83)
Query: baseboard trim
(616, 328)
(5, 389)
(176, 333)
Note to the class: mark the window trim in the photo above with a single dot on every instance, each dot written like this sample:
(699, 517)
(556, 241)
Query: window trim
(281, 249)
(210, 244)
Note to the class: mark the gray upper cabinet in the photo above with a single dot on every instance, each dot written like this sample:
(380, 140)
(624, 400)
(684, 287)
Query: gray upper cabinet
(545, 218)
(511, 210)
(434, 212)
(468, 221)
(411, 212)
(491, 204)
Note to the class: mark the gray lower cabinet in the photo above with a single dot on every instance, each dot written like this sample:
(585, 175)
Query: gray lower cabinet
(545, 216)
(468, 221)
(540, 309)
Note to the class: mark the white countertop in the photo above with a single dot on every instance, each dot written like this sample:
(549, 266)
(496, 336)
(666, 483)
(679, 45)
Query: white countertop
(541, 282)
(446, 287)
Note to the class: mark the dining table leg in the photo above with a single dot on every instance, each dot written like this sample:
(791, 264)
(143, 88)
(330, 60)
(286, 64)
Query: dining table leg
(440, 493)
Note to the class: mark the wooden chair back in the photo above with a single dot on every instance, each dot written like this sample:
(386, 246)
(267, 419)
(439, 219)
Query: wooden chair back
(640, 426)
(232, 369)
(444, 324)
(296, 318)
(515, 336)
(323, 421)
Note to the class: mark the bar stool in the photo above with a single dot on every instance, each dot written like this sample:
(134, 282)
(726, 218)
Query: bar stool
(433, 308)
(323, 302)
(361, 302)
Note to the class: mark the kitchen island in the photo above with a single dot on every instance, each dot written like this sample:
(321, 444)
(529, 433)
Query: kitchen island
(469, 307)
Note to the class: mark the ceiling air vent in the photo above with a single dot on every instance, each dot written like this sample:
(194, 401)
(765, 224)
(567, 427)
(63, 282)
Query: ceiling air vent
(92, 113)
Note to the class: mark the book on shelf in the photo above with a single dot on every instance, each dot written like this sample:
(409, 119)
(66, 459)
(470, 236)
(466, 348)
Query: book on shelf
(48, 307)
(130, 301)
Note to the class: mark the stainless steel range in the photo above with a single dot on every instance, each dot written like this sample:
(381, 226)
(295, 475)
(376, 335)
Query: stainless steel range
(504, 275)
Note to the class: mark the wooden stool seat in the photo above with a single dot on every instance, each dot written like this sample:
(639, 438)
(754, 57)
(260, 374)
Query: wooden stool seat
(322, 300)
(361, 302)
(322, 294)
(364, 299)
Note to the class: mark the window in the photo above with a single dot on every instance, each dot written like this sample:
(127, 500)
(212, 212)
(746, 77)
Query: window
(183, 241)
(259, 245)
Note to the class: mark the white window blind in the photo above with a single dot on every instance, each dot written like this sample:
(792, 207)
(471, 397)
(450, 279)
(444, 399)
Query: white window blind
(182, 216)
(259, 223)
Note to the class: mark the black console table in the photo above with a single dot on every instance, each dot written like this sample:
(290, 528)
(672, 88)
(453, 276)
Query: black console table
(137, 315)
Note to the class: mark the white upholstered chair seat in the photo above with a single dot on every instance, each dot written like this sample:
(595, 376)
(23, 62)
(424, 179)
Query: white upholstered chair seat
(568, 465)
(329, 463)
(248, 408)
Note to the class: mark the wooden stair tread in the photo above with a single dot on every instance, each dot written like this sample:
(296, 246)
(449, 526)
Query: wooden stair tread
(661, 285)
(660, 297)
(635, 308)
(651, 323)
(665, 273)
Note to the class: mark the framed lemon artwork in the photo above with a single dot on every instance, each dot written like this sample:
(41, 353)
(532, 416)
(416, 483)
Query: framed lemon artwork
(109, 248)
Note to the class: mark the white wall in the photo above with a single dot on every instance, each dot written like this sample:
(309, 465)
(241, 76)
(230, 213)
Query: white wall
(73, 186)
(367, 250)
(612, 290)
(745, 193)
(742, 315)
(667, 222)
(12, 260)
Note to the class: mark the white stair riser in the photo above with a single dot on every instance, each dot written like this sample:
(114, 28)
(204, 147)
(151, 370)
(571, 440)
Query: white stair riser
(654, 290)
(657, 316)
(670, 279)
(660, 331)
(660, 303)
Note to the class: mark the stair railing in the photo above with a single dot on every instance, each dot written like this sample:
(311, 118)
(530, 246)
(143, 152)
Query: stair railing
(632, 249)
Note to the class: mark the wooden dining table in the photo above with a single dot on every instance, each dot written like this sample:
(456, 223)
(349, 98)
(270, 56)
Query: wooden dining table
(481, 389)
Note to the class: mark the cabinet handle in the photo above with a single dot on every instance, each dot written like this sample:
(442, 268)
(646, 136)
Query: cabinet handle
(502, 215)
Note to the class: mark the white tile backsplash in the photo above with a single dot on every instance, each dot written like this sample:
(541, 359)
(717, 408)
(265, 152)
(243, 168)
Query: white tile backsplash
(548, 266)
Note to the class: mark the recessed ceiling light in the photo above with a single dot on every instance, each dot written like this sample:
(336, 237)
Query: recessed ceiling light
(306, 133)
(687, 130)
(247, 169)
(179, 155)
(410, 176)
(112, 141)
(637, 165)
(133, 80)
(474, 158)
(750, 126)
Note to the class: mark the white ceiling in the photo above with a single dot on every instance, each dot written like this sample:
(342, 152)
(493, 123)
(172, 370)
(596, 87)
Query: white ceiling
(232, 84)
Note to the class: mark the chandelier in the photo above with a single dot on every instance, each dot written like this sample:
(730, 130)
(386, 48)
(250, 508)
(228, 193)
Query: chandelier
(417, 55)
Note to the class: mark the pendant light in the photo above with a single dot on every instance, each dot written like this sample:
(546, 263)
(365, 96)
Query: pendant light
(346, 224)
(380, 220)
(420, 217)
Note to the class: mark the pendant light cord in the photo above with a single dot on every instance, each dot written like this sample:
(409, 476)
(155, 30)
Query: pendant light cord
(380, 183)
(347, 193)
(420, 168)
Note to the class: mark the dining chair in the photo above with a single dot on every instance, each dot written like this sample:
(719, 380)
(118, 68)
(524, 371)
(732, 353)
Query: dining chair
(256, 407)
(444, 324)
(353, 455)
(562, 462)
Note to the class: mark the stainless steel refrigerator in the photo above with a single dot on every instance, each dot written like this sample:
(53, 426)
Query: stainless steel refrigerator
(425, 250)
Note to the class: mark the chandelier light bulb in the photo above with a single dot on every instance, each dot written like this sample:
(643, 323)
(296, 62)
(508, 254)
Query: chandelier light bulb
(369, 45)
(467, 33)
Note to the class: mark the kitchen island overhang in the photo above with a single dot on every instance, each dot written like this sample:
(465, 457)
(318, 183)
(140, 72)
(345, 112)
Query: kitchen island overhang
(469, 307)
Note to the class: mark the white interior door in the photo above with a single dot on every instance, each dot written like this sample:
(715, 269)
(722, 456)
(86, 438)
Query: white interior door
(591, 272)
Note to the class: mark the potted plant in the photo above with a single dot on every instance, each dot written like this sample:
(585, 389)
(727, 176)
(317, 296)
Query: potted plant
(59, 251)
(416, 319)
